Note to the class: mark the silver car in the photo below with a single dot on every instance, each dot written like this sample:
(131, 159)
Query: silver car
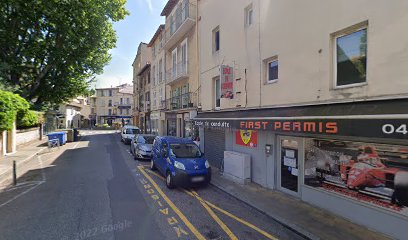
(141, 146)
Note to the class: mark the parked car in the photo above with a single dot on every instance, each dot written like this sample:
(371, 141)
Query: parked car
(180, 161)
(141, 146)
(128, 132)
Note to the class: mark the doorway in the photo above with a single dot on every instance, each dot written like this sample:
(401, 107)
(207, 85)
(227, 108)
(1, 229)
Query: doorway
(290, 157)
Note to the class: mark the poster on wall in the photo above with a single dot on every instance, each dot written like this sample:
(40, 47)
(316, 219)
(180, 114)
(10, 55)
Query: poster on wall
(227, 82)
(248, 138)
(376, 174)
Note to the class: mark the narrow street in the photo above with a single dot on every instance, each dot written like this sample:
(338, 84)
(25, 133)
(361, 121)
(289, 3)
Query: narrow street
(95, 190)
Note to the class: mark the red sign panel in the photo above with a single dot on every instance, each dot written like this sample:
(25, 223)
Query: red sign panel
(248, 138)
(227, 82)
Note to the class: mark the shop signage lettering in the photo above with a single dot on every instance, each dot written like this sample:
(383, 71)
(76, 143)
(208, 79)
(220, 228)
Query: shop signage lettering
(379, 128)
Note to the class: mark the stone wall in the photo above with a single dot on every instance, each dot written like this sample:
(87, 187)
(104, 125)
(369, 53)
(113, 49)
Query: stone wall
(27, 135)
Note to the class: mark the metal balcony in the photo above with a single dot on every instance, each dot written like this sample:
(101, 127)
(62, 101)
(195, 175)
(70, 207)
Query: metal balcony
(181, 22)
(177, 73)
(183, 101)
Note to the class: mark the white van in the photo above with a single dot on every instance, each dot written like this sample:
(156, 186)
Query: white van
(128, 132)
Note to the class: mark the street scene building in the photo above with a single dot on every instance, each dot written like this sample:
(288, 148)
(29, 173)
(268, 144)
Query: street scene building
(180, 46)
(245, 119)
(113, 104)
(309, 105)
(158, 83)
(141, 62)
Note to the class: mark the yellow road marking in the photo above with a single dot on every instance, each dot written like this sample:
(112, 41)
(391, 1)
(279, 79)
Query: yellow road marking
(171, 204)
(225, 212)
(215, 217)
(242, 221)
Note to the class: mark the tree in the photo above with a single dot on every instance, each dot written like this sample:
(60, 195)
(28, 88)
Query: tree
(52, 49)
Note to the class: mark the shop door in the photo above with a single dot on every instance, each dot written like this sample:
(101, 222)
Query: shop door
(289, 164)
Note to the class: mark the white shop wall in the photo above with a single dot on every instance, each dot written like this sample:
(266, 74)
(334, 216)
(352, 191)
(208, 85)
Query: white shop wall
(262, 166)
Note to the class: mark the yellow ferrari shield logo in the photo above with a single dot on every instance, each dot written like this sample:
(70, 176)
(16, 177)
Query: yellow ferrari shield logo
(245, 135)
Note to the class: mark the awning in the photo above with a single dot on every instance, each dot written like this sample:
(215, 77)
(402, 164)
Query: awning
(380, 119)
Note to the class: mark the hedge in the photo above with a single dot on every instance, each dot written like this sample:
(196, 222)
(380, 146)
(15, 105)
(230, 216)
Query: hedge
(10, 105)
(28, 118)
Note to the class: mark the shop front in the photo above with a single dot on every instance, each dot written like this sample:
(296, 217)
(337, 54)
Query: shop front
(350, 158)
(171, 120)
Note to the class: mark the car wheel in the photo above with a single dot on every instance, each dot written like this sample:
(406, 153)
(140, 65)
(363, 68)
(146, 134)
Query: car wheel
(152, 165)
(169, 181)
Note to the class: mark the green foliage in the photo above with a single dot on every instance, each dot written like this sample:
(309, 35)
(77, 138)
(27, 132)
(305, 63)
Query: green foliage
(51, 48)
(10, 105)
(28, 118)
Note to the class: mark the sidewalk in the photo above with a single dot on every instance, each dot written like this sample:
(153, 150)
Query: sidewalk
(307, 220)
(22, 156)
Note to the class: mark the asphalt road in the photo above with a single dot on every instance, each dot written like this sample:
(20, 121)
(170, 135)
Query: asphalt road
(95, 190)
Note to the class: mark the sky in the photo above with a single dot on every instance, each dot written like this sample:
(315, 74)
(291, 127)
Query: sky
(139, 26)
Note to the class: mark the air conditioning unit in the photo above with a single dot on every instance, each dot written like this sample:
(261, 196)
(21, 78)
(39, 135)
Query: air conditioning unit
(237, 166)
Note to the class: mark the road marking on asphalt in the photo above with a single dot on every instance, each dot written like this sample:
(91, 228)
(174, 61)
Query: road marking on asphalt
(250, 225)
(21, 194)
(215, 217)
(172, 206)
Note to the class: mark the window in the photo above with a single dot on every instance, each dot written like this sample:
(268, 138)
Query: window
(217, 91)
(271, 70)
(248, 15)
(184, 57)
(127, 111)
(160, 70)
(350, 54)
(101, 93)
(216, 39)
(110, 103)
(109, 111)
(128, 100)
(121, 100)
(110, 92)
(120, 111)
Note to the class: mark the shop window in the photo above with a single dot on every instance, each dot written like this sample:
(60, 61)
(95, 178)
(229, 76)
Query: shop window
(350, 58)
(370, 173)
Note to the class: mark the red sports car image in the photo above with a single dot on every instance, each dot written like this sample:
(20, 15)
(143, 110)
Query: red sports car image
(362, 170)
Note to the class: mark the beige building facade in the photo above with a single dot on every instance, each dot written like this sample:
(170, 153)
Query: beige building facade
(181, 61)
(311, 91)
(158, 82)
(113, 105)
(142, 59)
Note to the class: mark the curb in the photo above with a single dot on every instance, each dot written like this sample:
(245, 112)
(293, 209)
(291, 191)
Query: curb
(285, 223)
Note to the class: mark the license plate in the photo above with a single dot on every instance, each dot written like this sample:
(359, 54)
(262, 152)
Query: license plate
(197, 179)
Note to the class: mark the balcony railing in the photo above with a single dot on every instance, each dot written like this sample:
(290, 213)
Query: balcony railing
(123, 105)
(187, 100)
(177, 72)
(180, 22)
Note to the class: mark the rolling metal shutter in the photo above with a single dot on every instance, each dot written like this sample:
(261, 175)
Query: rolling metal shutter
(214, 146)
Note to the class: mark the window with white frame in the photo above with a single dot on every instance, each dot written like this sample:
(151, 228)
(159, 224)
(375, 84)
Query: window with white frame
(216, 39)
(217, 92)
(350, 58)
(154, 75)
(271, 66)
(249, 12)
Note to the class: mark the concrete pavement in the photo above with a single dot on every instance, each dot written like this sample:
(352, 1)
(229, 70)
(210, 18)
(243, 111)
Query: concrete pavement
(307, 220)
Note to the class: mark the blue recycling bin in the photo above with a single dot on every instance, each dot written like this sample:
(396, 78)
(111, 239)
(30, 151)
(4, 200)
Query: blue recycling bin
(61, 136)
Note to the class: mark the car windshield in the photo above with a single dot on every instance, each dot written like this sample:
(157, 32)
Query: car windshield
(182, 150)
(146, 139)
(132, 131)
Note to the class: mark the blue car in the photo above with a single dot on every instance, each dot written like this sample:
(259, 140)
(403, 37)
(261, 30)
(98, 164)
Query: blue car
(181, 161)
